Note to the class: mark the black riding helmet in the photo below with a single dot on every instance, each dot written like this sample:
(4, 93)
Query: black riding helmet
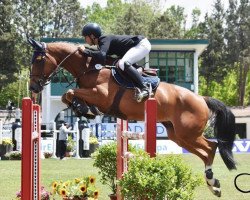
(92, 28)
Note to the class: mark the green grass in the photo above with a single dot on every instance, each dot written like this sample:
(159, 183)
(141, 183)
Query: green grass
(52, 169)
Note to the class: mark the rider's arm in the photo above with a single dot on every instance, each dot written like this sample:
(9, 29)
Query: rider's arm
(101, 53)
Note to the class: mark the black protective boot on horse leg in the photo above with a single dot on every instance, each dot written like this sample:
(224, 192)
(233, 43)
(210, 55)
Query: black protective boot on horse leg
(82, 109)
(137, 80)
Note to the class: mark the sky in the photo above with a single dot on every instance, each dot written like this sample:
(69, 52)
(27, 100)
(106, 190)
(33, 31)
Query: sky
(204, 5)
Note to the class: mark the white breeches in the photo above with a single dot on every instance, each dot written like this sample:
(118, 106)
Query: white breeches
(136, 53)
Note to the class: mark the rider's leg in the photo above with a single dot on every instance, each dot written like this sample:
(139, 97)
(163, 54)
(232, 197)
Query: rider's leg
(134, 55)
(135, 76)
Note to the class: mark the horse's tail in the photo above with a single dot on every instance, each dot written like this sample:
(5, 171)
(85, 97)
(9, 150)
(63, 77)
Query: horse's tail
(224, 130)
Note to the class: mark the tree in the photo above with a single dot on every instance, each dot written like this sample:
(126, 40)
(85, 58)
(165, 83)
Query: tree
(237, 37)
(168, 25)
(106, 17)
(212, 66)
(7, 44)
(64, 21)
(135, 19)
(196, 28)
(225, 91)
(16, 90)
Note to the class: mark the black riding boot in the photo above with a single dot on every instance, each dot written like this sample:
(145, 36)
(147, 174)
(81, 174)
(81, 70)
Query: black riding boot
(137, 80)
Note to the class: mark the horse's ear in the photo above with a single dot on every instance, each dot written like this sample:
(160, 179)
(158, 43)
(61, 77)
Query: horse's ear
(36, 45)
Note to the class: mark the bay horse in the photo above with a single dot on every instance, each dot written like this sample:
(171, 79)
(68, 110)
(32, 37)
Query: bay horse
(183, 113)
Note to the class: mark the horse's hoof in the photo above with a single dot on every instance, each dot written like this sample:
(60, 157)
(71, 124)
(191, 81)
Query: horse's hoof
(215, 189)
(217, 193)
(88, 116)
(80, 114)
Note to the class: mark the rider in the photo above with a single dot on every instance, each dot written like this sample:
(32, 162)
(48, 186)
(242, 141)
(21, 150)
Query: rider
(131, 48)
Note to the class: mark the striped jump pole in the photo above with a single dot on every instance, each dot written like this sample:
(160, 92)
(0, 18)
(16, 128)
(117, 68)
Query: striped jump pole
(123, 135)
(31, 137)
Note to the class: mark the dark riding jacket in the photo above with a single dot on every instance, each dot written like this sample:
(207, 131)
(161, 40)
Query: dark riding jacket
(113, 45)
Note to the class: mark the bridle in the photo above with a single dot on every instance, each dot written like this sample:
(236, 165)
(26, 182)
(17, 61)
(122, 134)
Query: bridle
(43, 78)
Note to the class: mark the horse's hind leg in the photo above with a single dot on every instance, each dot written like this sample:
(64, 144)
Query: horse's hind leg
(205, 149)
(201, 147)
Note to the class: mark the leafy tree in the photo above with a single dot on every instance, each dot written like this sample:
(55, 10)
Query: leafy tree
(226, 91)
(213, 57)
(64, 21)
(16, 90)
(7, 42)
(237, 35)
(196, 28)
(107, 16)
(168, 25)
(38, 18)
(135, 19)
(231, 31)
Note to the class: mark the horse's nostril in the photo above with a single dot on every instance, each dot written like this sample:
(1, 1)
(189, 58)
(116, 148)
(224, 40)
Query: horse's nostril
(31, 88)
(34, 88)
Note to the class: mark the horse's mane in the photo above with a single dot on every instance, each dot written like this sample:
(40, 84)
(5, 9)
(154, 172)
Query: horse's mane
(69, 46)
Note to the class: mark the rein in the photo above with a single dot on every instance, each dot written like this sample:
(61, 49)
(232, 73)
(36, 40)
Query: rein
(58, 67)
(46, 80)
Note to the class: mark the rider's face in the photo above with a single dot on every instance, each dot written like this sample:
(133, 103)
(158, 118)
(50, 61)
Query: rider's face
(88, 40)
(91, 39)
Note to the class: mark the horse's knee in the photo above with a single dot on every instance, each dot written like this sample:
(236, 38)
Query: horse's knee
(69, 95)
(63, 98)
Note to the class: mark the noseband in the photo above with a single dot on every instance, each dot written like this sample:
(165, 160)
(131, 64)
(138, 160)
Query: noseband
(41, 55)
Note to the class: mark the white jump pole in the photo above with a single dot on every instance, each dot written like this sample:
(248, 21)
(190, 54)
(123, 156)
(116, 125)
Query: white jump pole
(76, 129)
(54, 140)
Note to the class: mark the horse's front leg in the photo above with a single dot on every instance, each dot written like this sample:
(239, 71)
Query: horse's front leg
(65, 101)
(77, 103)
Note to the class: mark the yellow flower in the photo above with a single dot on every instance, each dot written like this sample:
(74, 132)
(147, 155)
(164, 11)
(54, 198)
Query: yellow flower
(83, 188)
(92, 179)
(77, 180)
(96, 193)
(63, 192)
(54, 184)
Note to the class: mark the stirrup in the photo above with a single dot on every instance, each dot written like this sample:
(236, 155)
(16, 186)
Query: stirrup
(143, 94)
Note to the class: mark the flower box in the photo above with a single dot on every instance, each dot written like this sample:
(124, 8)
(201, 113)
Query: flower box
(5, 149)
(92, 149)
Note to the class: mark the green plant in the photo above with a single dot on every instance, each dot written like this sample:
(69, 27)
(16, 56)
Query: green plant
(7, 141)
(209, 132)
(14, 155)
(78, 188)
(105, 161)
(93, 140)
(158, 178)
(70, 144)
(47, 154)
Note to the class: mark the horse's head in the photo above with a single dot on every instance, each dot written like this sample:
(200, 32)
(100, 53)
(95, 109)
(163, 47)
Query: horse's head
(43, 66)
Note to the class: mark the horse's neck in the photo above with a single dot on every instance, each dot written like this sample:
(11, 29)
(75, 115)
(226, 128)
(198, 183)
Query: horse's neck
(75, 63)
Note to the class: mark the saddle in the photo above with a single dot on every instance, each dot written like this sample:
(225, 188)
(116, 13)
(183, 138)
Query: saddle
(149, 77)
